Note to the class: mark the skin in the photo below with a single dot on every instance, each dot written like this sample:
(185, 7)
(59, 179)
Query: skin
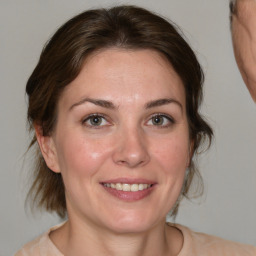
(126, 144)
(244, 41)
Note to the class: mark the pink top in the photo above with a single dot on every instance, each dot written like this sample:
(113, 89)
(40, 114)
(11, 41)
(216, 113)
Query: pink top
(195, 244)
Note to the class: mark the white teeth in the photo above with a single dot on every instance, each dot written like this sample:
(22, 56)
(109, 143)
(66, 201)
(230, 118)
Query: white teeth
(119, 186)
(127, 187)
(134, 187)
(141, 186)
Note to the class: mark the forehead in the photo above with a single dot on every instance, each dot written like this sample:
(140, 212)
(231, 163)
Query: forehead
(119, 75)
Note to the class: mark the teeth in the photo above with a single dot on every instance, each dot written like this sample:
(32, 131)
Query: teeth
(119, 186)
(141, 186)
(134, 187)
(127, 187)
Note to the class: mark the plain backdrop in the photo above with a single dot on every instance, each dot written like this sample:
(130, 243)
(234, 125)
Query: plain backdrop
(228, 206)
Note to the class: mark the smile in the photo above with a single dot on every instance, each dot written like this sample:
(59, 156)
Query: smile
(127, 187)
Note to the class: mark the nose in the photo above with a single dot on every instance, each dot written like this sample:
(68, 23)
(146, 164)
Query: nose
(131, 149)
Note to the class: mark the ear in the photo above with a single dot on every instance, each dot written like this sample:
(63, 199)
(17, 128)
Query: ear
(48, 149)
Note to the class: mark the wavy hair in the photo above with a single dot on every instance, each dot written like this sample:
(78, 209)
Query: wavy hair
(126, 27)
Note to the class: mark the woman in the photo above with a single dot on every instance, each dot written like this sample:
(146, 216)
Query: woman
(114, 105)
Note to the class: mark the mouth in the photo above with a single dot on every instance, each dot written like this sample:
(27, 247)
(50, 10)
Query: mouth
(128, 190)
(127, 187)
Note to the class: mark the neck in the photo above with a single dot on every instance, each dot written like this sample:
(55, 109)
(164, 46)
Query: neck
(72, 239)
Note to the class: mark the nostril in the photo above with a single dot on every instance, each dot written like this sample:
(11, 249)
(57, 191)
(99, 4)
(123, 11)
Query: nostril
(131, 150)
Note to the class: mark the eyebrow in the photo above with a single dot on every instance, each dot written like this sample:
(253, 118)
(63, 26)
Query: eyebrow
(97, 102)
(161, 102)
(110, 105)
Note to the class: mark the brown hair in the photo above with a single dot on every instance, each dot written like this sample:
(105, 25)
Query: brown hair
(232, 9)
(127, 27)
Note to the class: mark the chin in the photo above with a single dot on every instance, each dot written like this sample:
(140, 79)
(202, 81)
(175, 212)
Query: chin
(134, 222)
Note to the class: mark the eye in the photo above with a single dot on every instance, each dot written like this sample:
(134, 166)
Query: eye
(160, 120)
(95, 120)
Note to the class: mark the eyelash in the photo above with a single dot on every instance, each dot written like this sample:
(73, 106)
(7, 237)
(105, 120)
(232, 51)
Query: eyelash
(95, 115)
(170, 120)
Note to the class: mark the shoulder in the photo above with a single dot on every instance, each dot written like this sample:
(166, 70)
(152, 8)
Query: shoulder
(41, 246)
(219, 246)
(208, 245)
(31, 248)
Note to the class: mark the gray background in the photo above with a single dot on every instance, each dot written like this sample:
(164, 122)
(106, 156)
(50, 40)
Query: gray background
(228, 206)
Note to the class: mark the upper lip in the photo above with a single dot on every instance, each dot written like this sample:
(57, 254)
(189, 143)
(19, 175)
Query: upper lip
(129, 181)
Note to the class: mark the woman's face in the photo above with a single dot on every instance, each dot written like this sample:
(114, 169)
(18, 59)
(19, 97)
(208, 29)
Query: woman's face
(122, 126)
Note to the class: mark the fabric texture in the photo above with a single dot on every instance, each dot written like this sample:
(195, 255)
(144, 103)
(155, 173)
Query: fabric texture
(195, 244)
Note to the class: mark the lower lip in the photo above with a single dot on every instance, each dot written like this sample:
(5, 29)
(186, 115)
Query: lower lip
(128, 195)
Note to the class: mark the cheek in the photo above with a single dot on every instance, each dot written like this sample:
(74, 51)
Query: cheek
(81, 156)
(173, 155)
